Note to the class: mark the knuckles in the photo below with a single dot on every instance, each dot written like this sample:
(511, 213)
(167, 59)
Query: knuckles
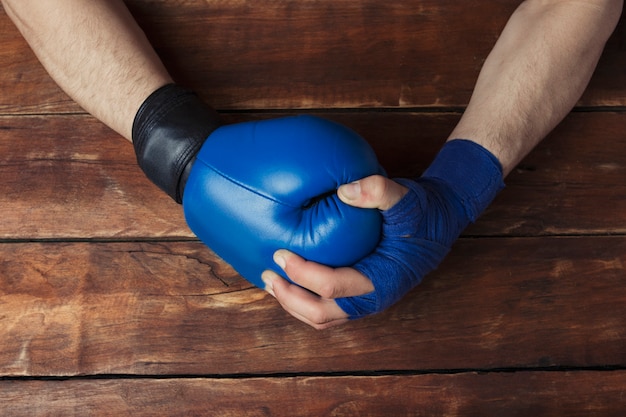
(328, 290)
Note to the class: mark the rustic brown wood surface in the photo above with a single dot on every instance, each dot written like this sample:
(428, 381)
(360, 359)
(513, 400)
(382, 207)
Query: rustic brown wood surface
(172, 308)
(110, 306)
(278, 54)
(465, 394)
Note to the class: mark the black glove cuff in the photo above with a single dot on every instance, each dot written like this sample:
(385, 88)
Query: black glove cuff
(168, 131)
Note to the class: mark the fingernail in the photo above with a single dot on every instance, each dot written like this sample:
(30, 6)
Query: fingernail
(280, 260)
(351, 191)
(267, 280)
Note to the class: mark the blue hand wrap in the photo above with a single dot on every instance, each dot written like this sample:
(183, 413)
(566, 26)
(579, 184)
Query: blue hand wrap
(420, 229)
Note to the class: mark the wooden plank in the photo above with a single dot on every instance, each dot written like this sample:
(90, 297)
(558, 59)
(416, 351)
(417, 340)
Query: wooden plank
(268, 54)
(122, 301)
(72, 177)
(174, 308)
(518, 394)
(572, 183)
(69, 177)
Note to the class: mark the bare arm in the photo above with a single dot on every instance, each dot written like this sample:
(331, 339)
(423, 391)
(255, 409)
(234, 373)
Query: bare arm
(533, 77)
(98, 55)
(535, 74)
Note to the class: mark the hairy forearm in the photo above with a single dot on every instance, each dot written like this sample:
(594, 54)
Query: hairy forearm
(535, 74)
(96, 53)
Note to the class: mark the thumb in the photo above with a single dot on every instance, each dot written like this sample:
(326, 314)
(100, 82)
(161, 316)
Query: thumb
(374, 191)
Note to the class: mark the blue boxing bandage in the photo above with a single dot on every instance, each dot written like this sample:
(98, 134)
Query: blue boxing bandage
(419, 231)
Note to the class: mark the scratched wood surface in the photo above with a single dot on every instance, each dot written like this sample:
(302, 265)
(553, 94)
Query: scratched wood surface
(278, 54)
(465, 394)
(171, 308)
(110, 306)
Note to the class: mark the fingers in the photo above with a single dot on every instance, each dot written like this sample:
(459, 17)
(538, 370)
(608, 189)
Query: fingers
(311, 296)
(319, 313)
(374, 191)
(325, 281)
(312, 299)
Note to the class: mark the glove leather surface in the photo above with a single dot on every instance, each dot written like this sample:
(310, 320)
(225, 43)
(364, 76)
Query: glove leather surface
(256, 187)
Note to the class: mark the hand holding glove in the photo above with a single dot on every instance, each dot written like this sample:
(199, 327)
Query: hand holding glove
(418, 232)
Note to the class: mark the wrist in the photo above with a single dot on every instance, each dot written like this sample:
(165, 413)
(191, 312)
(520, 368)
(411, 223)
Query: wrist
(168, 131)
(472, 172)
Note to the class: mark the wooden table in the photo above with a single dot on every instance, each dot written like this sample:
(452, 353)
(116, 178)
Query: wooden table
(110, 306)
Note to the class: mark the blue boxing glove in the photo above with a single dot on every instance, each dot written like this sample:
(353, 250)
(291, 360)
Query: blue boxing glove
(249, 189)
(260, 186)
(420, 229)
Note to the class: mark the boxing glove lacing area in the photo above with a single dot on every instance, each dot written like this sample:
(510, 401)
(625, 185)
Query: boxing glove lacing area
(168, 131)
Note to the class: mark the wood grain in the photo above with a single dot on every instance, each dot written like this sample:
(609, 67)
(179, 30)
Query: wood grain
(72, 177)
(174, 308)
(319, 54)
(583, 394)
(110, 307)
